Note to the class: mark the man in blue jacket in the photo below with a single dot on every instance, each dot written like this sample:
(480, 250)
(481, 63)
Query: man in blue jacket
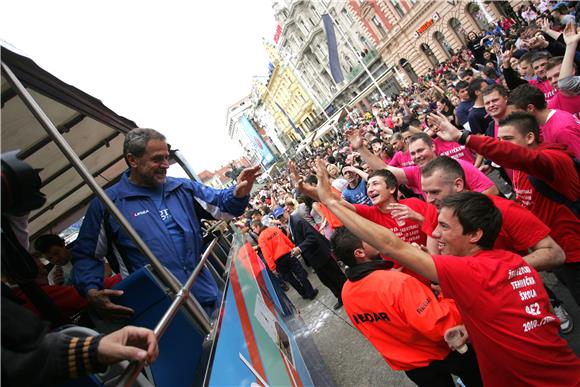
(166, 213)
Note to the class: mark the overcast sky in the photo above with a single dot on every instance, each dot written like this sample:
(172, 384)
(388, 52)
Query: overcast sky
(173, 66)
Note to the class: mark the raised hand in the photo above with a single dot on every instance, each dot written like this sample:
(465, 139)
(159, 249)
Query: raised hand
(445, 129)
(355, 138)
(246, 181)
(298, 181)
(571, 34)
(401, 212)
(323, 189)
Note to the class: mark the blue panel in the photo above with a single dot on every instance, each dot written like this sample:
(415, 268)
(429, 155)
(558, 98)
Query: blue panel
(180, 348)
(227, 365)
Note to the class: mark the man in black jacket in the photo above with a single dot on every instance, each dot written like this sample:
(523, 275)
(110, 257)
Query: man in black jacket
(315, 249)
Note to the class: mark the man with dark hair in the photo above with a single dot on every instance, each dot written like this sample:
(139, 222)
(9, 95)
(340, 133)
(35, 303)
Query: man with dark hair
(525, 68)
(53, 248)
(505, 309)
(478, 119)
(550, 165)
(315, 249)
(556, 126)
(462, 110)
(522, 232)
(566, 99)
(403, 217)
(166, 213)
(422, 151)
(400, 316)
(538, 61)
(277, 251)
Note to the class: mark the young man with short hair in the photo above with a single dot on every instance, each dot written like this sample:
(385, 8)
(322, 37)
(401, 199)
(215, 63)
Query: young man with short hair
(556, 126)
(401, 317)
(518, 147)
(505, 309)
(277, 251)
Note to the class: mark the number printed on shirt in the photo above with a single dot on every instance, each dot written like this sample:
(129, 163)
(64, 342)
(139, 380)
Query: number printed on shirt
(533, 309)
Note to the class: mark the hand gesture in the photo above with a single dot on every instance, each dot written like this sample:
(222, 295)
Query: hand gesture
(130, 343)
(401, 213)
(506, 57)
(445, 130)
(58, 275)
(246, 181)
(299, 184)
(544, 24)
(571, 35)
(355, 138)
(100, 301)
(323, 189)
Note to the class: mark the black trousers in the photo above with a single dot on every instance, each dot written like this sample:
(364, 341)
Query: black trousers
(332, 277)
(569, 275)
(438, 373)
(292, 272)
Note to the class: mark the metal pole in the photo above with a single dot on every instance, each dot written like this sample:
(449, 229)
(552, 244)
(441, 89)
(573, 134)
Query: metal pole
(355, 51)
(98, 191)
(133, 370)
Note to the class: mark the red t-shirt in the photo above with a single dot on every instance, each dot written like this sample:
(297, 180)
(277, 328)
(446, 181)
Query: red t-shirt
(507, 314)
(520, 229)
(408, 231)
(401, 159)
(563, 128)
(551, 164)
(453, 150)
(545, 87)
(475, 179)
(570, 104)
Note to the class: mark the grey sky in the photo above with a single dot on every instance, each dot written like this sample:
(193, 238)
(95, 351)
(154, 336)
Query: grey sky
(174, 66)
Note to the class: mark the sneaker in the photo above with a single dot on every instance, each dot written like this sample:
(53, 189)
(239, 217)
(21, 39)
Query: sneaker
(338, 305)
(566, 322)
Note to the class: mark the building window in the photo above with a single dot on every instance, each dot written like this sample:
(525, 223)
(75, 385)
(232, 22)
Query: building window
(379, 26)
(397, 6)
(346, 16)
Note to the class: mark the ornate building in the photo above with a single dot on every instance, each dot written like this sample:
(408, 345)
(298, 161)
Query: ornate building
(417, 35)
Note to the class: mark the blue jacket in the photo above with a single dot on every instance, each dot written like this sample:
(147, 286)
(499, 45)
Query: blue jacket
(141, 211)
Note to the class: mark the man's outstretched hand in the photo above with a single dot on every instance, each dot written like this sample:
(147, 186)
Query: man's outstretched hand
(246, 181)
(323, 189)
(307, 189)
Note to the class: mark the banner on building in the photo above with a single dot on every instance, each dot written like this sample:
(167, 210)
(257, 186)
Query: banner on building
(267, 158)
(277, 34)
(333, 60)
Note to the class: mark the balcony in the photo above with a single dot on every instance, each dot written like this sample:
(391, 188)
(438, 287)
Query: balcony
(368, 59)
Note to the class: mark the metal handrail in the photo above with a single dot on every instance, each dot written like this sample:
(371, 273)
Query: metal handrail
(72, 157)
(133, 370)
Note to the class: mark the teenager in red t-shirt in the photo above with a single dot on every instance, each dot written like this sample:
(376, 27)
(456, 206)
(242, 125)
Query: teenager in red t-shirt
(422, 151)
(401, 317)
(505, 308)
(556, 126)
(518, 148)
(521, 233)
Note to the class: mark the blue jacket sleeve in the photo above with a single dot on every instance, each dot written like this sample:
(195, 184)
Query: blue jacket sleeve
(221, 204)
(90, 247)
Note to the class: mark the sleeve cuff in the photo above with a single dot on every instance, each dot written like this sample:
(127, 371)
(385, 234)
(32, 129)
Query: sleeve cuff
(82, 356)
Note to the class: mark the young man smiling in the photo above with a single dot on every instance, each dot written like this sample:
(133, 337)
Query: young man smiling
(504, 307)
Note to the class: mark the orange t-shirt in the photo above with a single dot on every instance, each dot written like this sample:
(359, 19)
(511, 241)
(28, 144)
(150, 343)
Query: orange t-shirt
(401, 318)
(274, 244)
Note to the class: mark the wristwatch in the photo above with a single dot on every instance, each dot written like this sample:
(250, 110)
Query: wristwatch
(463, 139)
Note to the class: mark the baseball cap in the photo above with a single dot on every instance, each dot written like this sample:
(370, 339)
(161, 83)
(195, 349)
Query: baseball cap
(278, 211)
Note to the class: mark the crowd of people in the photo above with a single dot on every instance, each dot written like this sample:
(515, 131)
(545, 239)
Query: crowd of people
(443, 203)
(429, 218)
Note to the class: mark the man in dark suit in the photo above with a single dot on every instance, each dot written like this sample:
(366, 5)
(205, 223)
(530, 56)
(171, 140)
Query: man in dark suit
(315, 249)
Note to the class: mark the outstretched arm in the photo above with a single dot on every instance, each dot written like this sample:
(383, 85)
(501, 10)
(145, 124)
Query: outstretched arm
(378, 236)
(571, 37)
(374, 161)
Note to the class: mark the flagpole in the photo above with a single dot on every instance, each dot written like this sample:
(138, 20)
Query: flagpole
(303, 84)
(354, 50)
